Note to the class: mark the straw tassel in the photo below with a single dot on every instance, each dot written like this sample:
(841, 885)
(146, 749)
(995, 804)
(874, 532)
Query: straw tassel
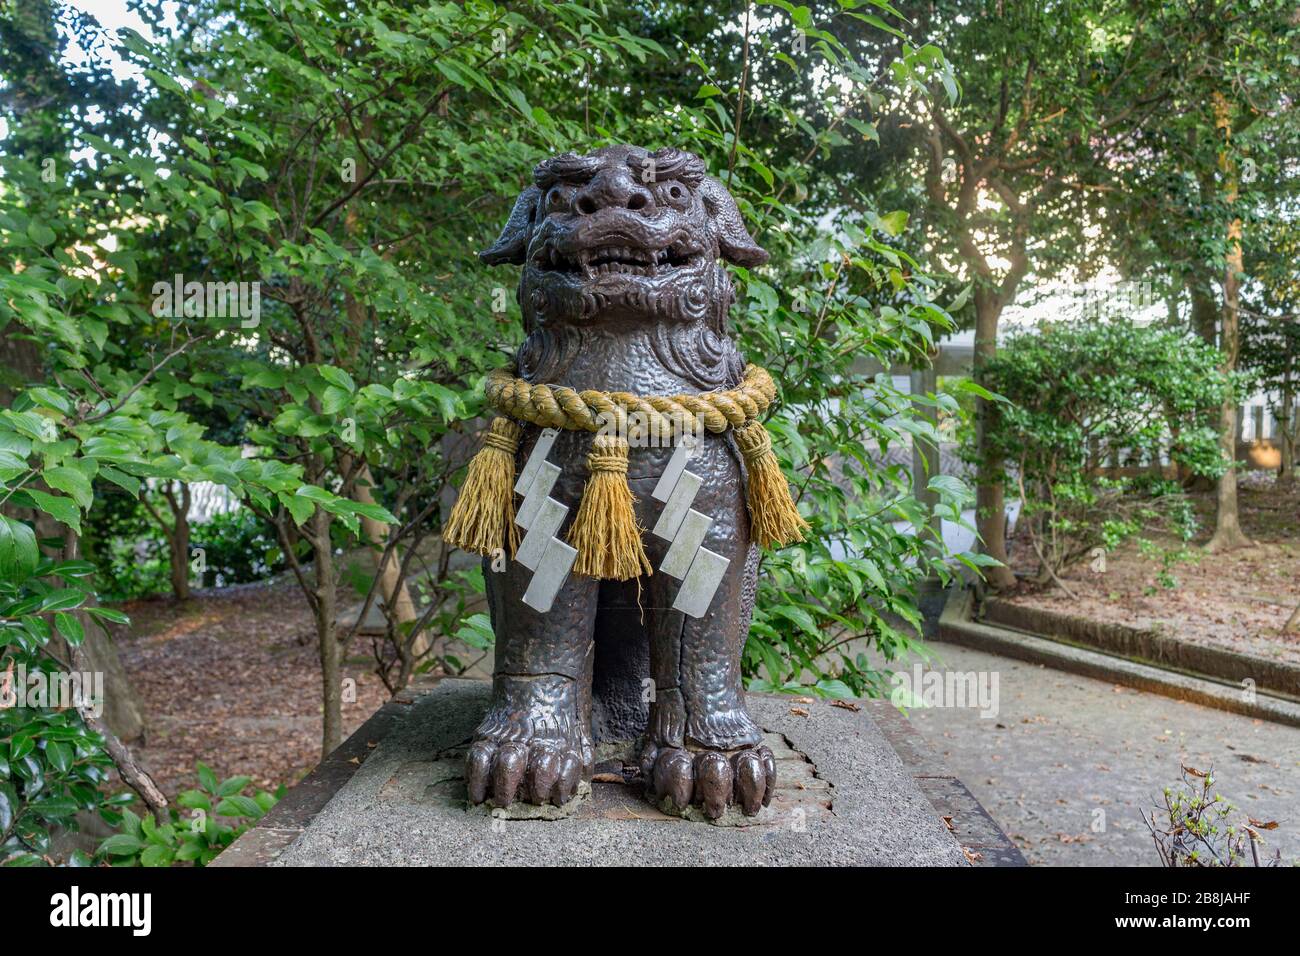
(773, 518)
(605, 531)
(484, 516)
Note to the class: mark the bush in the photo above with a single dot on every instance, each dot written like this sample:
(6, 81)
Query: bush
(197, 838)
(131, 554)
(1202, 831)
(238, 548)
(51, 763)
(1084, 393)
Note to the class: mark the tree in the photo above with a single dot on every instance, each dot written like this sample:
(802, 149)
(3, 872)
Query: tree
(1081, 392)
(1215, 165)
(1015, 167)
(1270, 343)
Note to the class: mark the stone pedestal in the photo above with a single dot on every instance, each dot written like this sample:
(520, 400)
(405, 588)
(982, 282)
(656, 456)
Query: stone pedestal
(395, 795)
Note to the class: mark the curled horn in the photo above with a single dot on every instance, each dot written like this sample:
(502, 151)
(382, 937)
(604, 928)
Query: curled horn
(512, 244)
(734, 240)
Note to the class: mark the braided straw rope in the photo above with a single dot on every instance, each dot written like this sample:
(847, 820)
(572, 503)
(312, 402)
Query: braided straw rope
(555, 406)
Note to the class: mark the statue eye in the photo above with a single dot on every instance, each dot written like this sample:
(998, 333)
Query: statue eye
(674, 193)
(558, 197)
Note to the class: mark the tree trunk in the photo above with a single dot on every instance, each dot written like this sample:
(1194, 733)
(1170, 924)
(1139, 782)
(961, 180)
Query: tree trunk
(1227, 526)
(178, 545)
(1286, 433)
(1205, 314)
(990, 509)
(331, 654)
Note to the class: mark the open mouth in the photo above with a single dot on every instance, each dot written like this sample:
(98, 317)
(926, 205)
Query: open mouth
(620, 260)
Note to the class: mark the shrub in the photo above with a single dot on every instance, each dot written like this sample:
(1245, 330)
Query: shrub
(1081, 394)
(51, 763)
(1201, 831)
(131, 553)
(219, 812)
(238, 548)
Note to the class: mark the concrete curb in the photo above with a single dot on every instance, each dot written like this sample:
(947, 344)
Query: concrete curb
(957, 626)
(982, 838)
(1148, 646)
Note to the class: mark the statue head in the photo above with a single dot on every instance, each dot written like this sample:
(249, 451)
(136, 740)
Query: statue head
(623, 234)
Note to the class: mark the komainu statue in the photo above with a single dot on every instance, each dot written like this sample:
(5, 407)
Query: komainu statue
(623, 490)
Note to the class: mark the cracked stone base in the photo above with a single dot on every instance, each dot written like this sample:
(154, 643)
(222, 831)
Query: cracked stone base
(843, 797)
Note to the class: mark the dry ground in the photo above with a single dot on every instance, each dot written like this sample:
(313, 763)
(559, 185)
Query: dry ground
(1239, 600)
(224, 679)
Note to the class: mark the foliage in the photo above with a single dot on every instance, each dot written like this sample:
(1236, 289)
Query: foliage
(79, 413)
(127, 549)
(1201, 831)
(1083, 395)
(238, 547)
(219, 811)
(131, 557)
(376, 324)
(51, 764)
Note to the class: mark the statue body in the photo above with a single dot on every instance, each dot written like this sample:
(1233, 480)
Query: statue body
(622, 291)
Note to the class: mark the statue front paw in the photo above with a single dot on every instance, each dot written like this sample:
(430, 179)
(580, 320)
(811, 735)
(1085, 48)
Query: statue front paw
(530, 746)
(539, 771)
(711, 779)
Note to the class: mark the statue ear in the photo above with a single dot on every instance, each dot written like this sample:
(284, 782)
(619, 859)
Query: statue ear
(734, 241)
(512, 245)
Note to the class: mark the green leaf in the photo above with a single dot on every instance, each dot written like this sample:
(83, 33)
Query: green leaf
(71, 629)
(109, 614)
(894, 222)
(62, 599)
(40, 233)
(19, 554)
(372, 511)
(232, 786)
(121, 844)
(124, 481)
(72, 482)
(157, 856)
(239, 807)
(337, 377)
(61, 509)
(60, 756)
(300, 508)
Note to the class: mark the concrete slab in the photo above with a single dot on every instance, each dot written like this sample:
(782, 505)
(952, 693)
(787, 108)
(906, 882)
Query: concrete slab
(845, 798)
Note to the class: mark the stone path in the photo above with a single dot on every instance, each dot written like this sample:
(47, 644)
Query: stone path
(1069, 763)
